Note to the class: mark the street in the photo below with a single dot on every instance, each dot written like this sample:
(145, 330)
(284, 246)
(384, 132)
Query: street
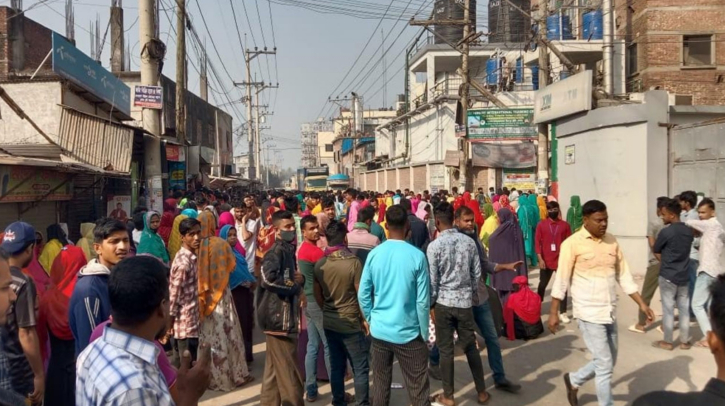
(539, 366)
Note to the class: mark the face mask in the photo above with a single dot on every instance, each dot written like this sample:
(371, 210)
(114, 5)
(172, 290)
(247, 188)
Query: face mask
(288, 236)
(554, 215)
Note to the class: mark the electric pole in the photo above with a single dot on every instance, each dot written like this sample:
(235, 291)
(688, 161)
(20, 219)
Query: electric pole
(181, 71)
(543, 128)
(465, 92)
(152, 51)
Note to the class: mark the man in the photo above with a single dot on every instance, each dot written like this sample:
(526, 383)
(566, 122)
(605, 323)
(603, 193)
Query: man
(514, 196)
(325, 217)
(353, 209)
(672, 248)
(651, 278)
(394, 296)
(336, 283)
(465, 223)
(307, 256)
(119, 213)
(247, 224)
(491, 192)
(480, 197)
(313, 203)
(184, 291)
(591, 262)
(550, 234)
(709, 267)
(396, 197)
(292, 205)
(360, 241)
(688, 203)
(454, 273)
(120, 368)
(278, 313)
(419, 235)
(7, 298)
(20, 343)
(89, 304)
(714, 392)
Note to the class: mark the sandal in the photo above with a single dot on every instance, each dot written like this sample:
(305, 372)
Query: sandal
(246, 380)
(663, 345)
(685, 346)
(485, 400)
(633, 328)
(439, 399)
(702, 344)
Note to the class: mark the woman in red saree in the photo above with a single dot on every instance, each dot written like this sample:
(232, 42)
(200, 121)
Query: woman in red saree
(167, 220)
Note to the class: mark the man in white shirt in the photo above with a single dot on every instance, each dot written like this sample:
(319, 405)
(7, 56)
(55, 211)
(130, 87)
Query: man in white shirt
(247, 224)
(711, 246)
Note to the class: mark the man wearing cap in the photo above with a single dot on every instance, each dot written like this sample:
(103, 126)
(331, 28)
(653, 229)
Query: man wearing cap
(19, 338)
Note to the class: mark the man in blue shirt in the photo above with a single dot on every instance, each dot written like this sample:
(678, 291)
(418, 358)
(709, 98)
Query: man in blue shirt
(394, 296)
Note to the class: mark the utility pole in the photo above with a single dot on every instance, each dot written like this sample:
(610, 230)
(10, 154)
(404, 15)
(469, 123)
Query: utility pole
(543, 128)
(151, 54)
(465, 93)
(252, 138)
(181, 71)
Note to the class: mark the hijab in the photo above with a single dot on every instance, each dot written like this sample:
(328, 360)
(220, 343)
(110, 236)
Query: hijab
(473, 205)
(541, 202)
(151, 243)
(190, 213)
(56, 241)
(63, 276)
(167, 219)
(86, 241)
(489, 225)
(227, 219)
(241, 272)
(505, 204)
(421, 213)
(574, 214)
(175, 237)
(524, 303)
(216, 263)
(496, 206)
(506, 245)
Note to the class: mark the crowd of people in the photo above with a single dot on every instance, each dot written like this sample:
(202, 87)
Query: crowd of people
(159, 308)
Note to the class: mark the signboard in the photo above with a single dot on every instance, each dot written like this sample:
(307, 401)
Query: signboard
(569, 154)
(175, 153)
(501, 124)
(119, 207)
(519, 155)
(150, 97)
(564, 98)
(72, 64)
(28, 184)
(177, 175)
(437, 178)
(320, 171)
(520, 180)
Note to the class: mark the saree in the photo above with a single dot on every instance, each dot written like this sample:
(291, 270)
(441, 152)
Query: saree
(167, 219)
(175, 237)
(489, 225)
(574, 214)
(216, 263)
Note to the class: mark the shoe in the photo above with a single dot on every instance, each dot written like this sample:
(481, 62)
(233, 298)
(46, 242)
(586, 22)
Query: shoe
(571, 391)
(508, 386)
(434, 372)
(309, 398)
(564, 318)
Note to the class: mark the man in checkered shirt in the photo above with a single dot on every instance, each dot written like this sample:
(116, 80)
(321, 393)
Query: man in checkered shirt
(120, 368)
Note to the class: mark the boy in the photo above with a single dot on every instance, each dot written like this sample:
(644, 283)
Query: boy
(184, 291)
(672, 249)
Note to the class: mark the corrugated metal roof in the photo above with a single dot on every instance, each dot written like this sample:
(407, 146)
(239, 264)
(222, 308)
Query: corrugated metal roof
(66, 165)
(47, 151)
(95, 141)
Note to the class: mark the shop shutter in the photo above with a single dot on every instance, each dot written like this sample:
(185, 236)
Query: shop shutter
(370, 185)
(404, 179)
(420, 179)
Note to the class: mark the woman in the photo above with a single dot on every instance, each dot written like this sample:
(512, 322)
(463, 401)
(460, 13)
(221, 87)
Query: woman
(151, 243)
(522, 312)
(190, 213)
(35, 270)
(574, 214)
(473, 205)
(167, 219)
(415, 201)
(56, 241)
(528, 220)
(219, 321)
(86, 241)
(541, 202)
(489, 225)
(53, 316)
(242, 284)
(507, 245)
(505, 204)
(175, 236)
(381, 209)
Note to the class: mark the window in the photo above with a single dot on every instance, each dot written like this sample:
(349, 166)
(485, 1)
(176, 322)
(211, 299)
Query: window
(697, 50)
(632, 59)
(328, 147)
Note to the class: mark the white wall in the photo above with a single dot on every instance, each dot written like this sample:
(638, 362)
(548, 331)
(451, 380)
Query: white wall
(620, 159)
(40, 101)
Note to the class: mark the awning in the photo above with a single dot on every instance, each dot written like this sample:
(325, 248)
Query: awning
(66, 164)
(221, 181)
(338, 177)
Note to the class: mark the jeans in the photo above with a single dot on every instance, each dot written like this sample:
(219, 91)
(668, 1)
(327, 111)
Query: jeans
(484, 320)
(448, 320)
(353, 347)
(601, 340)
(692, 271)
(315, 336)
(672, 294)
(701, 300)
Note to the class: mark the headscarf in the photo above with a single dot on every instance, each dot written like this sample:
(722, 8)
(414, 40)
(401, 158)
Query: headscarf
(460, 200)
(415, 202)
(151, 243)
(175, 237)
(489, 225)
(190, 213)
(227, 219)
(506, 244)
(505, 204)
(56, 241)
(54, 305)
(86, 241)
(496, 206)
(241, 270)
(528, 220)
(541, 203)
(574, 214)
(473, 205)
(421, 213)
(496, 198)
(381, 210)
(524, 303)
(323, 221)
(167, 219)
(216, 263)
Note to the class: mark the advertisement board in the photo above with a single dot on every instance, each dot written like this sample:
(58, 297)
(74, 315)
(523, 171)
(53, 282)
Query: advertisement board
(177, 175)
(27, 184)
(501, 124)
(119, 207)
(520, 180)
(564, 98)
(150, 97)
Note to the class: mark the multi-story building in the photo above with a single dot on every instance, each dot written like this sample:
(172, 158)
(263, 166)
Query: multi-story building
(309, 140)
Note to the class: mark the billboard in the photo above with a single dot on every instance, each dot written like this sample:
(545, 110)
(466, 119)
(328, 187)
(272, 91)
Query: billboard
(564, 98)
(72, 64)
(501, 124)
(150, 97)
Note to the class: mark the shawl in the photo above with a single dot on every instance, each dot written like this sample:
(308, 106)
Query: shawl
(86, 241)
(528, 220)
(241, 273)
(227, 219)
(574, 214)
(506, 245)
(191, 213)
(489, 226)
(473, 205)
(505, 204)
(323, 221)
(382, 206)
(151, 243)
(167, 219)
(414, 203)
(421, 213)
(496, 207)
(175, 237)
(216, 263)
(524, 303)
(54, 305)
(541, 202)
(50, 251)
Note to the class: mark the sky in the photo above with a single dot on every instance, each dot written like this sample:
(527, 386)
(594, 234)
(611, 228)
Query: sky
(318, 42)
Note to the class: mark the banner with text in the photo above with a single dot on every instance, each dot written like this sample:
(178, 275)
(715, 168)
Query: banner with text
(501, 124)
(28, 184)
(519, 155)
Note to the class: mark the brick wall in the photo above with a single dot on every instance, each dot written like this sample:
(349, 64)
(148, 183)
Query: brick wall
(37, 44)
(657, 27)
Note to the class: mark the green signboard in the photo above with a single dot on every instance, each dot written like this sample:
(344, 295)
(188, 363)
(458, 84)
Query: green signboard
(501, 124)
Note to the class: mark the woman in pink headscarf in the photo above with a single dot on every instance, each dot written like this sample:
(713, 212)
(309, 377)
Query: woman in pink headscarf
(227, 219)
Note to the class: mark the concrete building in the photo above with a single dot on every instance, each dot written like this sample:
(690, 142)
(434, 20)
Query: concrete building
(241, 165)
(325, 151)
(309, 140)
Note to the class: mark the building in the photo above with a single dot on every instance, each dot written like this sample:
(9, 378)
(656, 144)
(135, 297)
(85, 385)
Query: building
(309, 141)
(325, 151)
(241, 165)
